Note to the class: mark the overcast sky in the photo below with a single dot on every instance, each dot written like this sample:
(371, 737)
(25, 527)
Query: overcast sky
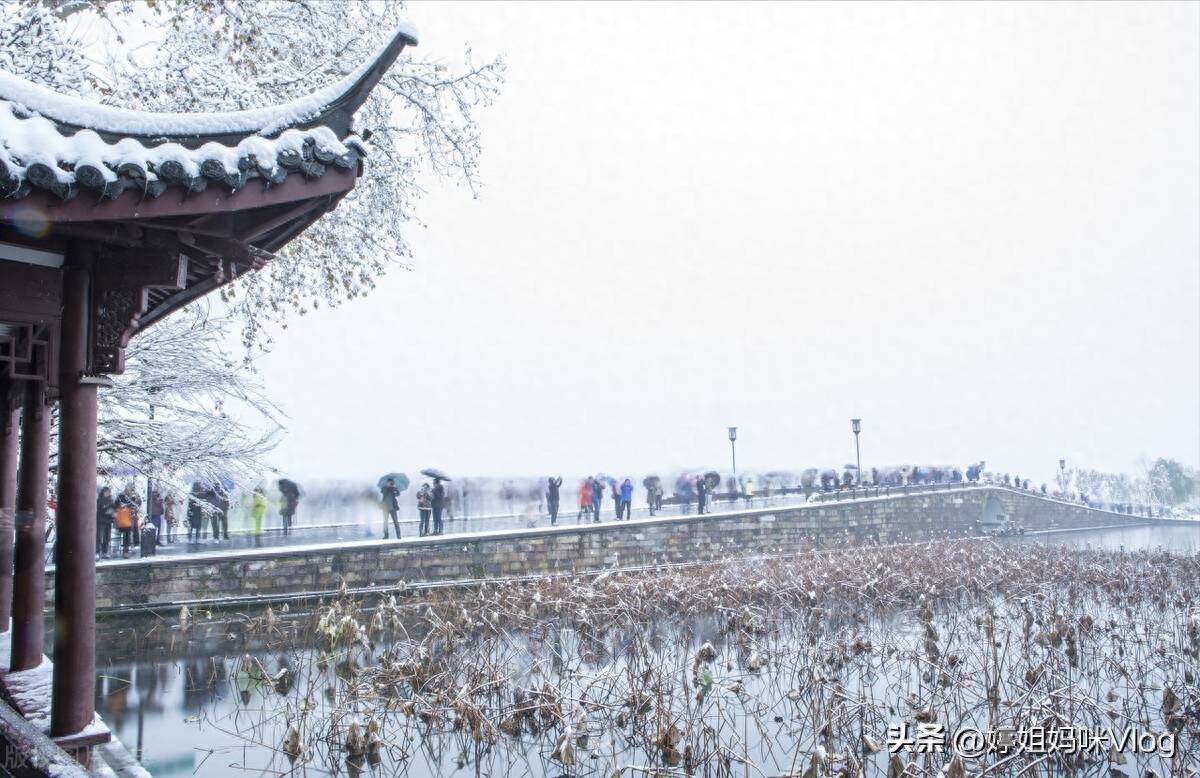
(975, 226)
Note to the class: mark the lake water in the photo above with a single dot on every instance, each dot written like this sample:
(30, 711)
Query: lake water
(186, 704)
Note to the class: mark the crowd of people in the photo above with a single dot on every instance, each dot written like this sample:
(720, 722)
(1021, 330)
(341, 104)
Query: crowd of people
(149, 526)
(125, 521)
(431, 507)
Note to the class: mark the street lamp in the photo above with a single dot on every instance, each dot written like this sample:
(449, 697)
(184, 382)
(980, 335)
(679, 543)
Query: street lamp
(733, 448)
(856, 427)
(1062, 476)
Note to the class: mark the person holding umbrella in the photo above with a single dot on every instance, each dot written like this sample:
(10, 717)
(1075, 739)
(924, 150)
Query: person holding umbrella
(701, 489)
(552, 487)
(391, 505)
(653, 486)
(597, 498)
(438, 501)
(289, 494)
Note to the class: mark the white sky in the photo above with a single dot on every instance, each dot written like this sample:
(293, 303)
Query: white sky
(975, 226)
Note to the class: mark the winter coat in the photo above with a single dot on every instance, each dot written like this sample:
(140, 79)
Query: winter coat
(627, 492)
(585, 494)
(106, 510)
(390, 495)
(130, 505)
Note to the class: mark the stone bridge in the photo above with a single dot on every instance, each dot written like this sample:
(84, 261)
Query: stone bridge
(238, 577)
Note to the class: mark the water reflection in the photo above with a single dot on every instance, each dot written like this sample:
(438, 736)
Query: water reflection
(1178, 539)
(201, 712)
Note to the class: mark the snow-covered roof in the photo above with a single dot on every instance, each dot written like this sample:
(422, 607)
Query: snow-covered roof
(34, 155)
(65, 144)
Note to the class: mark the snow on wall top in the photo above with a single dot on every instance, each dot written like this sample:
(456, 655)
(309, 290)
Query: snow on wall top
(78, 112)
(34, 155)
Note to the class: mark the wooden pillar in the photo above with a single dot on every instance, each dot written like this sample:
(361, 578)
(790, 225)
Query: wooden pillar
(9, 423)
(73, 701)
(29, 560)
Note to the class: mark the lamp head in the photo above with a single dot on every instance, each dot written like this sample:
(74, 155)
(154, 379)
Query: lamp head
(856, 426)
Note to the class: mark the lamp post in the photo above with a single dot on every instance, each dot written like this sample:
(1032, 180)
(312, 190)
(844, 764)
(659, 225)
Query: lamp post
(1062, 476)
(153, 391)
(856, 427)
(733, 448)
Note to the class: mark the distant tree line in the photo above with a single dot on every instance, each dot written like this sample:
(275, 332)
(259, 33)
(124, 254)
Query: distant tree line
(1164, 481)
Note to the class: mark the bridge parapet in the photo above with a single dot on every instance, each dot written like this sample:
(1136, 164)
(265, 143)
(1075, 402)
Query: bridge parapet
(237, 576)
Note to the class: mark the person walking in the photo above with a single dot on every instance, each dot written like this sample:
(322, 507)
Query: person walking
(128, 505)
(258, 512)
(203, 518)
(653, 496)
(287, 510)
(701, 490)
(626, 500)
(220, 515)
(169, 517)
(685, 490)
(585, 499)
(157, 509)
(438, 504)
(597, 499)
(424, 508)
(195, 511)
(552, 487)
(106, 514)
(390, 495)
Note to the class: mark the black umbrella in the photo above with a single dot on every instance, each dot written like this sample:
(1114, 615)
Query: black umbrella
(289, 488)
(712, 478)
(651, 480)
(436, 474)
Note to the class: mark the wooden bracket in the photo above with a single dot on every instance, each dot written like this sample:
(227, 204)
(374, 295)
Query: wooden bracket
(121, 282)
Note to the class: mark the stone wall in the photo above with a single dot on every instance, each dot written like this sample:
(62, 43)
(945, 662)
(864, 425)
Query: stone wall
(169, 581)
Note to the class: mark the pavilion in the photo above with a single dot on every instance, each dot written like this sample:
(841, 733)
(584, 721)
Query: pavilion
(111, 219)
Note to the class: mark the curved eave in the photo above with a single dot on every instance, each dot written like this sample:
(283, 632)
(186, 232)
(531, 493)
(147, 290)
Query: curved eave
(202, 279)
(132, 205)
(332, 107)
